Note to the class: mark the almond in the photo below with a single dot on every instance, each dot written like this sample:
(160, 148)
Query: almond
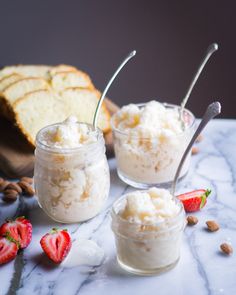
(10, 195)
(212, 225)
(226, 248)
(192, 220)
(27, 179)
(14, 186)
(195, 150)
(199, 138)
(27, 188)
(3, 185)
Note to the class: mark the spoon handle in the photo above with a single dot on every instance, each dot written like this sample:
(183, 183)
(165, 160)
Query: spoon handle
(210, 50)
(213, 110)
(95, 118)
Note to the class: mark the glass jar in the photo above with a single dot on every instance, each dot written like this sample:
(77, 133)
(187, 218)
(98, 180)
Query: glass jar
(147, 249)
(147, 162)
(72, 184)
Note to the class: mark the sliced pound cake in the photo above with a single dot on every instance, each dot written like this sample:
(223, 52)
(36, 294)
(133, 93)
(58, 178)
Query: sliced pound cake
(44, 107)
(26, 70)
(66, 79)
(8, 80)
(33, 96)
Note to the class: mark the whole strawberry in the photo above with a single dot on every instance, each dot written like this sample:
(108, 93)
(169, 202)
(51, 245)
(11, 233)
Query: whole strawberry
(8, 248)
(56, 244)
(19, 229)
(195, 200)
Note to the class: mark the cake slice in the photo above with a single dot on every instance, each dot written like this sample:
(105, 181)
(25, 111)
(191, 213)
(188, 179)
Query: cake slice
(26, 70)
(8, 80)
(44, 107)
(62, 68)
(67, 79)
(82, 103)
(22, 87)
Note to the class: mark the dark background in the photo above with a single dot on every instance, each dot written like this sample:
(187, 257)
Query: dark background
(170, 37)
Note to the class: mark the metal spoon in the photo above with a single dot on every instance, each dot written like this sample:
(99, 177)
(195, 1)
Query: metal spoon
(212, 110)
(95, 118)
(210, 50)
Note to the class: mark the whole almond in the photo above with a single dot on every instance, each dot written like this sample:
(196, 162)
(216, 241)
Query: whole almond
(1, 180)
(27, 179)
(212, 225)
(3, 185)
(27, 188)
(192, 220)
(199, 138)
(15, 186)
(10, 195)
(195, 150)
(226, 248)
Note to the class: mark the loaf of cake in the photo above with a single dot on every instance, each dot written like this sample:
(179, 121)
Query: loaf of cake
(34, 96)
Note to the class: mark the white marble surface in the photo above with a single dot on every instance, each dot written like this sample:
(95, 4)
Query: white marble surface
(201, 270)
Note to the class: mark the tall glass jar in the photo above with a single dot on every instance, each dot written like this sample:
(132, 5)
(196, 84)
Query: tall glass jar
(144, 162)
(72, 184)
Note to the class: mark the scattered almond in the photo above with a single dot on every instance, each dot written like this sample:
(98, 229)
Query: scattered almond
(226, 248)
(192, 220)
(212, 225)
(27, 188)
(27, 179)
(14, 186)
(195, 150)
(3, 185)
(199, 138)
(10, 195)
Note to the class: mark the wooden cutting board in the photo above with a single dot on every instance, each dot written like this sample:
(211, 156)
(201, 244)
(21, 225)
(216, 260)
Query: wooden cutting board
(17, 157)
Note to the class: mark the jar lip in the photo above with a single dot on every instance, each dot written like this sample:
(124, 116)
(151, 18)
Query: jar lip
(125, 221)
(169, 105)
(90, 145)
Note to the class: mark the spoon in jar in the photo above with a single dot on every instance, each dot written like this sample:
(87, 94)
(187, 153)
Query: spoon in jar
(210, 50)
(95, 118)
(212, 110)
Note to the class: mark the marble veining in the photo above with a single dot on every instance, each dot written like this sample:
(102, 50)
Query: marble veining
(202, 269)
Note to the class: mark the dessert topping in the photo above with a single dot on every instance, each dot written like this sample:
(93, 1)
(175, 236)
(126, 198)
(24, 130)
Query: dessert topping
(56, 244)
(192, 220)
(226, 248)
(8, 248)
(19, 229)
(212, 225)
(195, 200)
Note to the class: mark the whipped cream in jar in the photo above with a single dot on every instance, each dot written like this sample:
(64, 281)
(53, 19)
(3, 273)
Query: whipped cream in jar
(149, 141)
(148, 227)
(71, 172)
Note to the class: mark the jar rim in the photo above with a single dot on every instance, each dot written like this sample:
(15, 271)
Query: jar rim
(91, 145)
(171, 219)
(169, 105)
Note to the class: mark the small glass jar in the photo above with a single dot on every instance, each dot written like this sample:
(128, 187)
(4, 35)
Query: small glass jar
(72, 184)
(147, 249)
(147, 162)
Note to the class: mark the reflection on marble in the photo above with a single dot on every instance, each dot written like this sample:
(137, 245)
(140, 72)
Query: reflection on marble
(202, 268)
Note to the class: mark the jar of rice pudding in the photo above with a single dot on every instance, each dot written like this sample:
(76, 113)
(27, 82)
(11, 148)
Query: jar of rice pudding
(71, 173)
(149, 141)
(148, 227)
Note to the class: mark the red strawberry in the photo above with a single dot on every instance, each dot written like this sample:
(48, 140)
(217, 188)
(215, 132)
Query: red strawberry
(20, 230)
(8, 248)
(195, 200)
(56, 244)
